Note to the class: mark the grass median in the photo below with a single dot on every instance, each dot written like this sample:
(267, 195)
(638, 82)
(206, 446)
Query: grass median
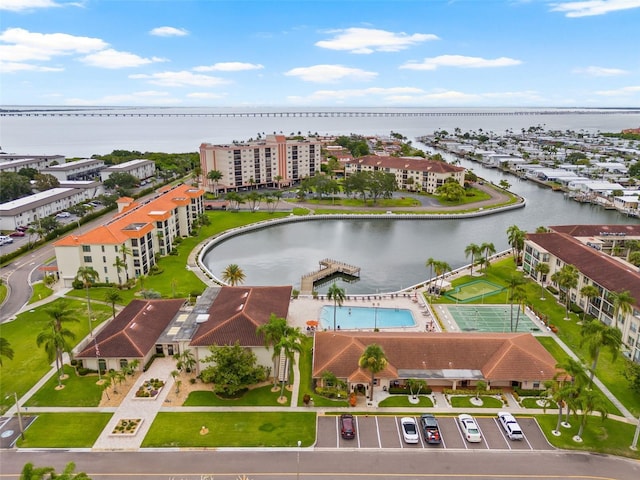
(64, 430)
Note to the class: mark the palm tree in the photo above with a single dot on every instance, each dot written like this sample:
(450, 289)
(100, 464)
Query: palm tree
(597, 335)
(112, 296)
(288, 346)
(215, 176)
(233, 275)
(55, 343)
(124, 251)
(374, 360)
(588, 292)
(577, 380)
(542, 269)
(474, 251)
(519, 296)
(515, 282)
(488, 249)
(516, 237)
(5, 349)
(336, 294)
(566, 278)
(622, 304)
(273, 331)
(87, 275)
(441, 268)
(430, 264)
(278, 179)
(119, 264)
(589, 401)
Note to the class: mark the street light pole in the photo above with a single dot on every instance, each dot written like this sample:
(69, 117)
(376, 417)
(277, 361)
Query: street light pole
(298, 462)
(15, 396)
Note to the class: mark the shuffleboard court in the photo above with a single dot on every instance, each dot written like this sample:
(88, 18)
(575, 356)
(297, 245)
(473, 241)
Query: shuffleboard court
(490, 318)
(474, 291)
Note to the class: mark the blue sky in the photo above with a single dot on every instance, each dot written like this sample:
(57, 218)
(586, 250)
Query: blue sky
(391, 53)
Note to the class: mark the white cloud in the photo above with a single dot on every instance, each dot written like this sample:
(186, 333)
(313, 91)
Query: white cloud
(24, 45)
(20, 5)
(169, 32)
(346, 94)
(114, 59)
(460, 61)
(150, 97)
(180, 79)
(330, 73)
(12, 67)
(206, 95)
(590, 8)
(369, 40)
(229, 67)
(620, 92)
(601, 71)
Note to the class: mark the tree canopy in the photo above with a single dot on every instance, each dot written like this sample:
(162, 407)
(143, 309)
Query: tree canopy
(234, 369)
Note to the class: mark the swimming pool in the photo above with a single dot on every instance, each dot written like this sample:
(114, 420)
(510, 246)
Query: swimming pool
(354, 318)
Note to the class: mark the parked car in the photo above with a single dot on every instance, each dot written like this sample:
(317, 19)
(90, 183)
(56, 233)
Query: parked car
(409, 430)
(430, 428)
(63, 215)
(17, 233)
(347, 426)
(22, 228)
(470, 429)
(5, 239)
(510, 425)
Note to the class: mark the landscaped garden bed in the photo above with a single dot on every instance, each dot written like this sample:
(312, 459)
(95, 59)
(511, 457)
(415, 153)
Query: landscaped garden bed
(127, 426)
(150, 388)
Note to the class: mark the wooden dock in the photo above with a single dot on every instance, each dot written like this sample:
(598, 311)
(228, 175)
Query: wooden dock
(328, 267)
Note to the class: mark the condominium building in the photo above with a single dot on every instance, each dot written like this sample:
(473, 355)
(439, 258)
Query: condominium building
(85, 169)
(590, 249)
(272, 162)
(411, 174)
(15, 163)
(126, 247)
(141, 169)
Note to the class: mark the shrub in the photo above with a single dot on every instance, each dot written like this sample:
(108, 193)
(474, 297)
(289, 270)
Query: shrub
(521, 392)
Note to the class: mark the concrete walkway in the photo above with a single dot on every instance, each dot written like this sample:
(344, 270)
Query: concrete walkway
(133, 407)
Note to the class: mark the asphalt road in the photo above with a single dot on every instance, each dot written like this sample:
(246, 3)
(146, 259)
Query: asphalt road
(274, 464)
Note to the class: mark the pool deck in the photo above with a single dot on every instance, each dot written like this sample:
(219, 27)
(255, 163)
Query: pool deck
(306, 308)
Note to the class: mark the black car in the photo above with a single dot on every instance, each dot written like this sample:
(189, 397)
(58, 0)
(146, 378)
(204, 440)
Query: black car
(347, 427)
(430, 428)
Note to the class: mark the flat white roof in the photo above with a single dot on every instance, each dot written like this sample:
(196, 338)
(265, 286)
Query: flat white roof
(36, 197)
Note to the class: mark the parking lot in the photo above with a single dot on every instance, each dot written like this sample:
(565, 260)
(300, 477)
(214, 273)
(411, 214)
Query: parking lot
(384, 432)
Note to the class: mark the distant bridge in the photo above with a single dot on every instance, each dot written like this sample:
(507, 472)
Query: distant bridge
(309, 114)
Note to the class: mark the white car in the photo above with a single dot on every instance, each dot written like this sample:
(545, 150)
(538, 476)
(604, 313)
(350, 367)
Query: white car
(469, 428)
(409, 430)
(510, 425)
(63, 215)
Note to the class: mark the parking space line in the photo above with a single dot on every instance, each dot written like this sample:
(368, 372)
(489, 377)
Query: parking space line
(464, 440)
(337, 432)
(398, 430)
(504, 435)
(486, 443)
(355, 419)
(419, 430)
(378, 432)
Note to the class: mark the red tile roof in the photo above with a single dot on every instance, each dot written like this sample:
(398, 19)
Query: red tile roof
(400, 163)
(499, 356)
(596, 230)
(237, 312)
(135, 330)
(599, 267)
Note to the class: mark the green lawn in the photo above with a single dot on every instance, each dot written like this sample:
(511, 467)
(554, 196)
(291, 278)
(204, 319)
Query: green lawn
(403, 401)
(3, 292)
(610, 437)
(30, 363)
(63, 430)
(465, 401)
(262, 396)
(40, 291)
(77, 392)
(232, 429)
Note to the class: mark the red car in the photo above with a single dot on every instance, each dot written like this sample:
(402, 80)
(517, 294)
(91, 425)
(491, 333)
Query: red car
(17, 233)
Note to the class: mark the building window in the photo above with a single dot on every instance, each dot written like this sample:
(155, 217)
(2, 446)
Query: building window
(87, 259)
(134, 242)
(102, 365)
(123, 363)
(86, 248)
